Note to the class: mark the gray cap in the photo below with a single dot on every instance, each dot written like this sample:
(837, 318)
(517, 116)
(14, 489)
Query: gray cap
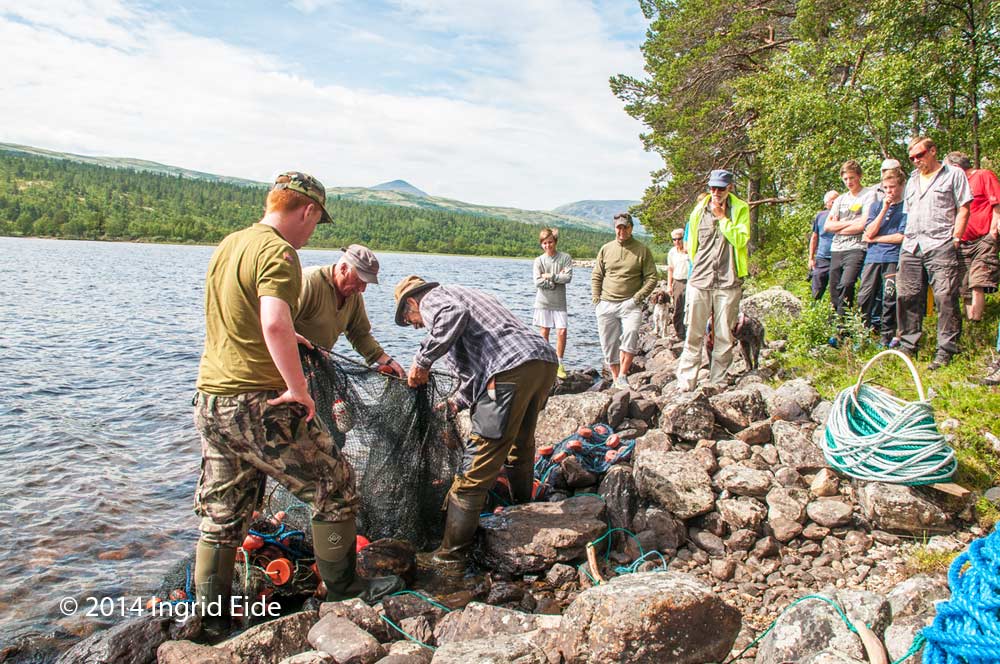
(720, 178)
(363, 260)
(890, 163)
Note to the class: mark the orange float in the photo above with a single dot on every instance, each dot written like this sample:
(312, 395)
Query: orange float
(546, 450)
(611, 455)
(575, 446)
(360, 543)
(559, 456)
(613, 441)
(279, 570)
(252, 542)
(585, 432)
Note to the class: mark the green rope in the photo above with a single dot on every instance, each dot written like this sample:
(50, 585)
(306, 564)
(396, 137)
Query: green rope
(423, 597)
(874, 436)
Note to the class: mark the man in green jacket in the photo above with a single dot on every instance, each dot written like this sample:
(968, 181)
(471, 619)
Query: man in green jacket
(624, 275)
(716, 236)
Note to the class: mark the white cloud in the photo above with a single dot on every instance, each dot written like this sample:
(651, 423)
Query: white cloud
(101, 78)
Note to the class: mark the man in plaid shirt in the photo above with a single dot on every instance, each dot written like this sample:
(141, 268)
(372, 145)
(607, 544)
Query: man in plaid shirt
(506, 372)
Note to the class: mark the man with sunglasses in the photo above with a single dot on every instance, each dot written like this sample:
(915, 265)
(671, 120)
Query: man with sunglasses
(716, 236)
(937, 201)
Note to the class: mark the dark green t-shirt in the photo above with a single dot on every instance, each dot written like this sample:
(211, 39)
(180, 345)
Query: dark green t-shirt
(246, 265)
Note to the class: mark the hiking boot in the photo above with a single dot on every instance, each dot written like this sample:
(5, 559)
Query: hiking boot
(940, 360)
(334, 544)
(213, 579)
(561, 372)
(459, 529)
(620, 383)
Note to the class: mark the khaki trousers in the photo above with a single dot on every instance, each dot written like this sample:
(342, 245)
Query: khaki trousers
(724, 303)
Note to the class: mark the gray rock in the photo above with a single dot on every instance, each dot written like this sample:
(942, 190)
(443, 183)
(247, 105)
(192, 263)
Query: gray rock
(407, 652)
(899, 508)
(826, 483)
(186, 652)
(830, 512)
(620, 495)
(477, 621)
(310, 657)
(575, 475)
(757, 433)
(706, 457)
(796, 447)
(419, 628)
(131, 642)
(766, 547)
(708, 542)
(533, 537)
(900, 634)
(670, 532)
(993, 495)
(398, 608)
(831, 657)
(814, 531)
(917, 595)
(560, 575)
(274, 640)
(773, 302)
(653, 440)
(788, 503)
(723, 568)
(688, 416)
(359, 613)
(784, 529)
(788, 477)
(742, 481)
(675, 480)
(563, 414)
(821, 413)
(741, 540)
(801, 392)
(649, 617)
(734, 449)
(646, 410)
(618, 408)
(739, 513)
(737, 409)
(810, 627)
(508, 649)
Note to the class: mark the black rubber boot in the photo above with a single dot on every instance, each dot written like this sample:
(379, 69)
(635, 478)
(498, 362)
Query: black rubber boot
(213, 579)
(459, 529)
(336, 556)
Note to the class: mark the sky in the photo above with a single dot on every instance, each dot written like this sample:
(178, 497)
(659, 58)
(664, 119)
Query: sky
(498, 103)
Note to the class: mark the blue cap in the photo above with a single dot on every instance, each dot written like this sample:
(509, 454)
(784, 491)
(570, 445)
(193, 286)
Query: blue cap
(720, 178)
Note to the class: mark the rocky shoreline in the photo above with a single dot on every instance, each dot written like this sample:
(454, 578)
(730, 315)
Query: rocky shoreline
(727, 484)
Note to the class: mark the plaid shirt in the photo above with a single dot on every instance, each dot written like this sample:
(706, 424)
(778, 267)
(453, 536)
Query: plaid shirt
(480, 336)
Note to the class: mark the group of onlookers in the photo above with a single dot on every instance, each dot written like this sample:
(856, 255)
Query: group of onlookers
(933, 229)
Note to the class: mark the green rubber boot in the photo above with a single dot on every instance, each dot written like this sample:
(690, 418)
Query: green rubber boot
(334, 544)
(522, 481)
(459, 529)
(213, 579)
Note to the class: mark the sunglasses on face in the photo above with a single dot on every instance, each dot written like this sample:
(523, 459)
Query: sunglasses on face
(719, 188)
(919, 155)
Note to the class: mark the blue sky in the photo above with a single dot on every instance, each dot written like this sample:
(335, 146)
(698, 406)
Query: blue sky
(495, 103)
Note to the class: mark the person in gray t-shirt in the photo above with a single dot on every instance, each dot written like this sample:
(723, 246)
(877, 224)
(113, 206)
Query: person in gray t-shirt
(937, 201)
(552, 271)
(847, 251)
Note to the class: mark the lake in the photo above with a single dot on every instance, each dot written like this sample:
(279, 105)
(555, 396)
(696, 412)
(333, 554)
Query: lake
(99, 353)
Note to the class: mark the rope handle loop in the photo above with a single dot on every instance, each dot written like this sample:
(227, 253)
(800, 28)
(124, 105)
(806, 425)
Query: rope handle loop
(909, 365)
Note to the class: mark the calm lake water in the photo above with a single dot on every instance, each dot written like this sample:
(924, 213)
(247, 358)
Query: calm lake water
(99, 352)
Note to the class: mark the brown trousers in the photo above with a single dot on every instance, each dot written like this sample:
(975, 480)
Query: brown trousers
(484, 458)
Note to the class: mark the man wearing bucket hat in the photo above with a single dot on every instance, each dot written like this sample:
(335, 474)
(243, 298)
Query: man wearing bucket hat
(678, 266)
(506, 371)
(332, 303)
(717, 234)
(253, 409)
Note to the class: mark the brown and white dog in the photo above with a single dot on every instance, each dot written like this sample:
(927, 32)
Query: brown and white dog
(661, 314)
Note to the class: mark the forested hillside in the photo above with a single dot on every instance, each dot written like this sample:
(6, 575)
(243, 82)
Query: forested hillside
(63, 199)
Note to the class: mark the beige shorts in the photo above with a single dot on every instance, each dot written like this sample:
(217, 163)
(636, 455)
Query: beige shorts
(979, 265)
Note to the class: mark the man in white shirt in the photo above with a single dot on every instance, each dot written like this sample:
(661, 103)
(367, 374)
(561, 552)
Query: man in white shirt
(678, 267)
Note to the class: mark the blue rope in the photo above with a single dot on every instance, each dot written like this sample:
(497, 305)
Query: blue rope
(966, 629)
(592, 455)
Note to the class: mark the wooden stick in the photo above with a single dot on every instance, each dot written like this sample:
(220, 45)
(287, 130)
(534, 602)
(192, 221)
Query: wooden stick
(592, 562)
(873, 646)
(952, 489)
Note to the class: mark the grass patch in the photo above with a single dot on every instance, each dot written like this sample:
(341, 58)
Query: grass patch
(922, 560)
(954, 391)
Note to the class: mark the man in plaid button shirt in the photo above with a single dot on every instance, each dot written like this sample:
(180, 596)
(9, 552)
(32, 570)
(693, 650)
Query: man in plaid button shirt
(506, 372)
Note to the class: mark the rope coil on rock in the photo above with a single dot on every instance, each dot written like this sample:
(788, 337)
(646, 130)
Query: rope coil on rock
(874, 436)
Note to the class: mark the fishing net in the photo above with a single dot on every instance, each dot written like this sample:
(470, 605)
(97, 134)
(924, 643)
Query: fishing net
(404, 451)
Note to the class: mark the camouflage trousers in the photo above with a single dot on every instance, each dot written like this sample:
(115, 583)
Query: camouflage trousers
(243, 442)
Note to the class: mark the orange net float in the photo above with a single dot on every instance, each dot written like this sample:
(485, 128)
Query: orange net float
(585, 432)
(559, 456)
(611, 456)
(613, 441)
(252, 542)
(279, 570)
(546, 450)
(360, 542)
(575, 446)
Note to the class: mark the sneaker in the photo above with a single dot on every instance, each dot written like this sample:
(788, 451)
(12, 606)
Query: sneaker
(940, 360)
(894, 343)
(621, 383)
(561, 371)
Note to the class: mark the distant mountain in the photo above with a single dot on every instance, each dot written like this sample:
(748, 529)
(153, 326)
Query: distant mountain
(401, 186)
(126, 162)
(602, 211)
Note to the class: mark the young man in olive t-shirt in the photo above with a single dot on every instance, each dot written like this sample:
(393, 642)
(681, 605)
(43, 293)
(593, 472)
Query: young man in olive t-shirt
(253, 409)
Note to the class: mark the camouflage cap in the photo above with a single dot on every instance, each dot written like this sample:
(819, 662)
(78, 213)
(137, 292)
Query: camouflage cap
(306, 185)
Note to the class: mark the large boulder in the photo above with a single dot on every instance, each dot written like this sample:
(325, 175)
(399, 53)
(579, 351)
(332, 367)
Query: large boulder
(358, 612)
(621, 495)
(649, 617)
(773, 302)
(899, 508)
(566, 412)
(528, 648)
(131, 642)
(796, 446)
(812, 626)
(186, 652)
(530, 538)
(688, 416)
(273, 640)
(737, 409)
(675, 480)
(345, 641)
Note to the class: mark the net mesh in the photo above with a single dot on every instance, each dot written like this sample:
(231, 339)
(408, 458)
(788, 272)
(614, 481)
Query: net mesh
(402, 449)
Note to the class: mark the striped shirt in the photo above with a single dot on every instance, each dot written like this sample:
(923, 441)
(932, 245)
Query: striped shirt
(480, 336)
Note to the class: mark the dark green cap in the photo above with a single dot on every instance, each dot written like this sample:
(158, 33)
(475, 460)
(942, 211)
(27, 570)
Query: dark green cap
(306, 185)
